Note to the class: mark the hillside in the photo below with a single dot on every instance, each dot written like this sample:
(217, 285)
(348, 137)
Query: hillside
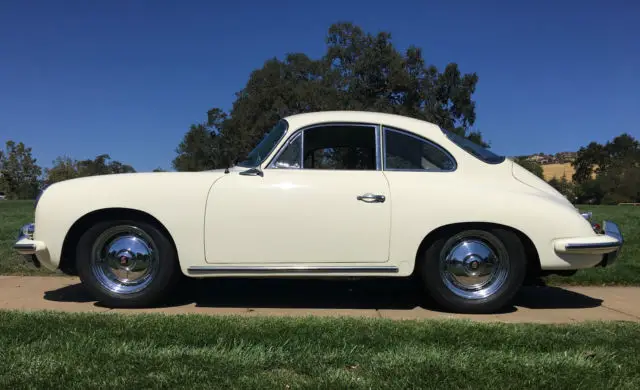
(558, 170)
(554, 165)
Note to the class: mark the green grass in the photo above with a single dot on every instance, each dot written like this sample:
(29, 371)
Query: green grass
(56, 350)
(626, 270)
(14, 214)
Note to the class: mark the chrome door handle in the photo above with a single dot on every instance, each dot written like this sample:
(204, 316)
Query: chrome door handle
(371, 198)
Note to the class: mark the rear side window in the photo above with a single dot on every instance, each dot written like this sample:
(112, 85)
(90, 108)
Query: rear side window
(474, 149)
(406, 152)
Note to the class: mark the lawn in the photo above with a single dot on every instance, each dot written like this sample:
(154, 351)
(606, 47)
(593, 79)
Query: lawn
(626, 271)
(14, 214)
(56, 350)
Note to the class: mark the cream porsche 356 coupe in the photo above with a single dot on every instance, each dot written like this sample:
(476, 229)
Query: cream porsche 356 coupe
(326, 194)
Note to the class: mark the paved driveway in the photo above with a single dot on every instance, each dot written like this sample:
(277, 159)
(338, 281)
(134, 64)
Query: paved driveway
(365, 298)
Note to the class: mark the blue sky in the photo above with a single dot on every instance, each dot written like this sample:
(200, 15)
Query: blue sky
(127, 78)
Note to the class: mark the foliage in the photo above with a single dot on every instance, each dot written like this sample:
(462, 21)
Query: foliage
(565, 187)
(358, 71)
(65, 168)
(18, 172)
(530, 165)
(616, 166)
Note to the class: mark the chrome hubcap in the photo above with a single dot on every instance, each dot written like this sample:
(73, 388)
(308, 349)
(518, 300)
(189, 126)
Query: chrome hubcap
(124, 259)
(474, 267)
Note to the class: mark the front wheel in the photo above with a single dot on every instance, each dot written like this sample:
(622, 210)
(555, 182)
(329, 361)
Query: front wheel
(475, 270)
(126, 263)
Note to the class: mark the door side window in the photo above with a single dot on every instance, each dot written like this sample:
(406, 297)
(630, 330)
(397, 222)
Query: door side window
(334, 147)
(291, 156)
(406, 152)
(343, 147)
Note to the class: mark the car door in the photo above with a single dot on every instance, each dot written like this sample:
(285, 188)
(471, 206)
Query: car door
(322, 199)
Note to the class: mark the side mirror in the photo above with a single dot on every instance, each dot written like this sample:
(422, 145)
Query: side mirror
(252, 172)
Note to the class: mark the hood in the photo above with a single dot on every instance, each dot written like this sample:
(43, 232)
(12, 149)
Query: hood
(524, 176)
(137, 181)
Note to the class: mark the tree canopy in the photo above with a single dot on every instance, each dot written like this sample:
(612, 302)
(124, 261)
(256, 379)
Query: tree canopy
(19, 172)
(65, 168)
(609, 173)
(22, 178)
(358, 71)
(530, 165)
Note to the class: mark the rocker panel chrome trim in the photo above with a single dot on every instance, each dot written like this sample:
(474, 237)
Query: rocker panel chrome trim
(201, 270)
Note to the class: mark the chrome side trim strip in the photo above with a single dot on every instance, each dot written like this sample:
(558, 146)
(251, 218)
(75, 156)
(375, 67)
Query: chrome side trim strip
(289, 269)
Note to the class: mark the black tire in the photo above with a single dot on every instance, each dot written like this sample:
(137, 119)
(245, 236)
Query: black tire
(166, 272)
(446, 289)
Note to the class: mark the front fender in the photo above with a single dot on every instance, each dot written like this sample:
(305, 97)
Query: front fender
(176, 199)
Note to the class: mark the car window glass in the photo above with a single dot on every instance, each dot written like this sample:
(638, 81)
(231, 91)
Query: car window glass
(343, 147)
(474, 149)
(269, 141)
(406, 152)
(291, 155)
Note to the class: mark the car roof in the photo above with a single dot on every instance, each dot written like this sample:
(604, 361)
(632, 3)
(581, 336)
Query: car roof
(392, 120)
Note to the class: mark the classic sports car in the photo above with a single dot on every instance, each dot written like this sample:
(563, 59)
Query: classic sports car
(326, 194)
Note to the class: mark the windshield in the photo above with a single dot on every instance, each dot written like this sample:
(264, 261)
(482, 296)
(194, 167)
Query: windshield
(265, 146)
(474, 149)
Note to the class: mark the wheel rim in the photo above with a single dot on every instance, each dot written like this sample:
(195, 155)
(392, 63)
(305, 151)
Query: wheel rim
(124, 259)
(474, 266)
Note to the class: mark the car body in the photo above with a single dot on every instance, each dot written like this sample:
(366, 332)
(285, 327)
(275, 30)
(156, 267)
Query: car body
(2, 196)
(324, 194)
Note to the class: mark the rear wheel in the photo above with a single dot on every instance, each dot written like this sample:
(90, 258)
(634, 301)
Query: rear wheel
(127, 263)
(474, 270)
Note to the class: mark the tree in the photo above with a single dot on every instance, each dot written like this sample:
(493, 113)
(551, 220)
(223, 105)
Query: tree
(565, 187)
(555, 183)
(19, 172)
(359, 71)
(589, 192)
(616, 167)
(65, 168)
(530, 165)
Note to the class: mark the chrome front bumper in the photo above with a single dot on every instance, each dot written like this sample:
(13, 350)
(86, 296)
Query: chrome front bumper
(26, 246)
(608, 244)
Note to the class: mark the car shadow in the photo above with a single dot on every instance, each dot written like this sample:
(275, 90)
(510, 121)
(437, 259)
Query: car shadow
(370, 293)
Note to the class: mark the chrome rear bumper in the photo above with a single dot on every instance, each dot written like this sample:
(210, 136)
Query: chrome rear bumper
(607, 244)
